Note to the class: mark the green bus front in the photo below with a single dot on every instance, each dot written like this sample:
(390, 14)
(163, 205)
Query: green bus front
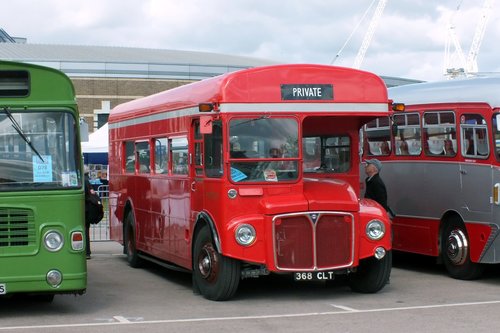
(42, 240)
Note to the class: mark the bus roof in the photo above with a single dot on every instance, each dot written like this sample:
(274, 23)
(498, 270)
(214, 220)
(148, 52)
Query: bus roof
(260, 85)
(42, 84)
(473, 90)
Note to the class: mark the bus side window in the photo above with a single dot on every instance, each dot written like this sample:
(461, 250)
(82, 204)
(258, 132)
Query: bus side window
(407, 140)
(129, 157)
(474, 136)
(161, 155)
(378, 137)
(179, 152)
(143, 156)
(440, 133)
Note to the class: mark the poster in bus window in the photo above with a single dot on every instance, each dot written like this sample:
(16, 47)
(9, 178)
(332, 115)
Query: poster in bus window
(42, 169)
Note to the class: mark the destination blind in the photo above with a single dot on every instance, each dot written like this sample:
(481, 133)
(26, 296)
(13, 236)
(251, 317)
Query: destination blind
(306, 92)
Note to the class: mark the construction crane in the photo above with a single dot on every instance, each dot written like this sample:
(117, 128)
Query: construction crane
(471, 64)
(369, 33)
(466, 66)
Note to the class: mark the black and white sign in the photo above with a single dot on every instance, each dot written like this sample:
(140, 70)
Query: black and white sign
(306, 92)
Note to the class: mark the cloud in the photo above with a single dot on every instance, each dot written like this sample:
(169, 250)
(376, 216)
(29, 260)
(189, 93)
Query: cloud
(408, 42)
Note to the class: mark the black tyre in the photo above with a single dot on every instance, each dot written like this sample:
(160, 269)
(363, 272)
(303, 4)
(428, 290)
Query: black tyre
(215, 276)
(372, 274)
(455, 251)
(130, 242)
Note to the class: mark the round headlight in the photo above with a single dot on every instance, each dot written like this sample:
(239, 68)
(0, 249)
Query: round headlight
(375, 229)
(54, 278)
(53, 241)
(245, 234)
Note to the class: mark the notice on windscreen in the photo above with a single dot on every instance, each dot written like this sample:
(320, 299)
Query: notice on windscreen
(42, 169)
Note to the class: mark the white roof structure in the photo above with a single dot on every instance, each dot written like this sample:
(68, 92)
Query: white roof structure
(98, 141)
(478, 89)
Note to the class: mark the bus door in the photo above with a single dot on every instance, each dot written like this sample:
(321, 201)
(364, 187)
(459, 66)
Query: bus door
(207, 170)
(196, 172)
(475, 177)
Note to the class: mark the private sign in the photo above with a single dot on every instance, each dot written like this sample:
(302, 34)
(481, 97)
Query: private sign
(306, 92)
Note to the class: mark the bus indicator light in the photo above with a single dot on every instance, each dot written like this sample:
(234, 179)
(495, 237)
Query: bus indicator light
(205, 107)
(496, 196)
(400, 107)
(77, 241)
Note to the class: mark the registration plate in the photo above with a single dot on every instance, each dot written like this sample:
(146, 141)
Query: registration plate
(3, 289)
(313, 276)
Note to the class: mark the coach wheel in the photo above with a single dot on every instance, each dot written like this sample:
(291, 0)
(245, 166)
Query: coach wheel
(455, 250)
(130, 242)
(215, 276)
(372, 274)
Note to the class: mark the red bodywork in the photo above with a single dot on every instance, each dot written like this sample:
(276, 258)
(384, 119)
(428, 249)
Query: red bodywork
(167, 207)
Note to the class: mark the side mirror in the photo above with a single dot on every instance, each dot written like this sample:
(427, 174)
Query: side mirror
(206, 125)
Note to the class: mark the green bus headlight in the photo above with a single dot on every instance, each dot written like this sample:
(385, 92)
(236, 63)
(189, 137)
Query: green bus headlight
(53, 241)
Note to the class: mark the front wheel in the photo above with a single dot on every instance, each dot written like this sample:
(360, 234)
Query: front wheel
(372, 274)
(455, 251)
(215, 276)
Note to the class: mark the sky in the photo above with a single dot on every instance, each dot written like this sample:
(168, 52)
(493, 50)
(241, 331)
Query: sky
(408, 42)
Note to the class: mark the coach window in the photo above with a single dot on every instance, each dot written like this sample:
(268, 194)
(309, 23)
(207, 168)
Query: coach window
(213, 151)
(407, 139)
(129, 157)
(161, 155)
(440, 138)
(474, 136)
(179, 152)
(378, 137)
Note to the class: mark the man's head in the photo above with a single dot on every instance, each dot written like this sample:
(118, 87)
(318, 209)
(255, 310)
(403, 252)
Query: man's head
(372, 166)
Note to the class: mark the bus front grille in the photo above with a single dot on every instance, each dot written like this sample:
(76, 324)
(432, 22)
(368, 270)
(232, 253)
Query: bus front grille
(17, 227)
(313, 241)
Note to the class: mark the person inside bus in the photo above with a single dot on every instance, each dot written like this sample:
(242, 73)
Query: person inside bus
(375, 188)
(448, 148)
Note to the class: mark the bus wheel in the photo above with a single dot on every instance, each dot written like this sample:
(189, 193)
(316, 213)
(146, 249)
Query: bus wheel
(130, 242)
(215, 276)
(455, 251)
(372, 274)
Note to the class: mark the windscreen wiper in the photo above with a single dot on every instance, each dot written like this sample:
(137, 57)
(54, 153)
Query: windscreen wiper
(19, 131)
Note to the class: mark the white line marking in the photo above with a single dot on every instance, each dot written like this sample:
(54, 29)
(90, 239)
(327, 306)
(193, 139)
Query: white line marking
(292, 315)
(121, 319)
(344, 308)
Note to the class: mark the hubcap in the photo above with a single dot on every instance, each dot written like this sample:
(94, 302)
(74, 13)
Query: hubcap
(457, 247)
(207, 263)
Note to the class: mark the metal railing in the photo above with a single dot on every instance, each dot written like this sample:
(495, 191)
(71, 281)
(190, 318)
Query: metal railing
(100, 231)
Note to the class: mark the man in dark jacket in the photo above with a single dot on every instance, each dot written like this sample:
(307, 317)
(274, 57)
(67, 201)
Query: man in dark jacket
(88, 191)
(375, 187)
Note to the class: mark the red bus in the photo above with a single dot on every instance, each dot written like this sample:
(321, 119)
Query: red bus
(442, 171)
(251, 173)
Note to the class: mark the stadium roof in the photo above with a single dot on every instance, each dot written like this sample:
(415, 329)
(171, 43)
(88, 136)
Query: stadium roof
(80, 60)
(128, 62)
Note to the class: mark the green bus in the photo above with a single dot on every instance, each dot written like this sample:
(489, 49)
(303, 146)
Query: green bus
(42, 233)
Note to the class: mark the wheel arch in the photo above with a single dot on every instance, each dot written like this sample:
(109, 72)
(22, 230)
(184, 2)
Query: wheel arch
(204, 219)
